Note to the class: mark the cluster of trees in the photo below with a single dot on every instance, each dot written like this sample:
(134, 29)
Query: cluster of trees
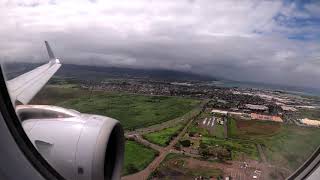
(131, 168)
(185, 143)
(222, 104)
(222, 153)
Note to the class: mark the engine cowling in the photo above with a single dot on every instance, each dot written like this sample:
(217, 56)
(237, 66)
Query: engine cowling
(79, 146)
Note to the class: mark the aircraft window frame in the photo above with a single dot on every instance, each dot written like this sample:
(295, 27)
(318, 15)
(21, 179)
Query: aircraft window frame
(308, 167)
(20, 137)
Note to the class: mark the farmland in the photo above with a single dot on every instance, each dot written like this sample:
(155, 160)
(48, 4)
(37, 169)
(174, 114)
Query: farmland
(252, 129)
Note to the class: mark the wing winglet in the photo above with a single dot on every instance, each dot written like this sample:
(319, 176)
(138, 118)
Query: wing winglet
(51, 55)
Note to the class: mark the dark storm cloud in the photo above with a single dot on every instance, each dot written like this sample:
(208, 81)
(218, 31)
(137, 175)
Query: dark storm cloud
(240, 40)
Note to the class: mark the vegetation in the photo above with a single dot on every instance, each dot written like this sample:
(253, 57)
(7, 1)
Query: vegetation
(232, 128)
(292, 146)
(222, 153)
(134, 111)
(136, 157)
(286, 146)
(176, 165)
(218, 131)
(185, 143)
(214, 143)
(237, 147)
(309, 113)
(164, 136)
(252, 129)
(195, 129)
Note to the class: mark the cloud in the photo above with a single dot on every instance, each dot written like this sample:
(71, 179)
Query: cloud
(268, 41)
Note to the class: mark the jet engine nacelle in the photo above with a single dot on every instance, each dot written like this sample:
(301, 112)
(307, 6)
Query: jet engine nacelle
(79, 146)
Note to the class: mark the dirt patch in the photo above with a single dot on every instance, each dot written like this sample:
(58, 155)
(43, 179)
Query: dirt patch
(254, 127)
(181, 167)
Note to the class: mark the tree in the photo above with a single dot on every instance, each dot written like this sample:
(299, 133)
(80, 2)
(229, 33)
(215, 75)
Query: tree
(131, 169)
(185, 143)
(204, 150)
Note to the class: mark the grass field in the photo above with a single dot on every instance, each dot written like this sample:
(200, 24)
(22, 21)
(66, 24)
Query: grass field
(164, 136)
(195, 129)
(292, 146)
(309, 113)
(286, 146)
(133, 111)
(177, 166)
(218, 131)
(136, 157)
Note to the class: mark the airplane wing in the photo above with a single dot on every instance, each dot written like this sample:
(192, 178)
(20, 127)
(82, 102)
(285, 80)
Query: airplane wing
(24, 87)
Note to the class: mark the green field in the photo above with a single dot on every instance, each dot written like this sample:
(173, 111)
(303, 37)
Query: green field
(195, 129)
(232, 128)
(286, 146)
(136, 157)
(133, 111)
(164, 136)
(292, 146)
(218, 131)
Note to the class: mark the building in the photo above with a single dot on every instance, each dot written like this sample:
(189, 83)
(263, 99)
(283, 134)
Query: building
(219, 111)
(265, 117)
(288, 108)
(310, 122)
(254, 107)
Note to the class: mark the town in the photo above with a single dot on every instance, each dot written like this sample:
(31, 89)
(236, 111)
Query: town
(246, 103)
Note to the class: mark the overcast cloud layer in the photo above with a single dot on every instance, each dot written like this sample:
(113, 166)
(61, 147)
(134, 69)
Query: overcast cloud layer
(264, 41)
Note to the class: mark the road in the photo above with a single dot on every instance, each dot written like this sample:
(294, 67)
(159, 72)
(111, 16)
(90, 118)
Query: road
(163, 152)
(157, 127)
(261, 153)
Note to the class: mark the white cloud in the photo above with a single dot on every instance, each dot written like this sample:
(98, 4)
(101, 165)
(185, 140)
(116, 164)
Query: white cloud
(240, 40)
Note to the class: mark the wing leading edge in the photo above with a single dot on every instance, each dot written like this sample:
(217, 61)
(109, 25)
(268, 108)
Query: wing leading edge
(24, 87)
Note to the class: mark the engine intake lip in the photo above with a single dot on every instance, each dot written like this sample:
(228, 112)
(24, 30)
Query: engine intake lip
(108, 159)
(114, 156)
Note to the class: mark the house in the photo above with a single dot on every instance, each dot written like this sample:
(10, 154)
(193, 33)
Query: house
(288, 108)
(265, 117)
(219, 111)
(254, 107)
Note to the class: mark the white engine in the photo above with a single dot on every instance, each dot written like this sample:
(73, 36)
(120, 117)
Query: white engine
(79, 146)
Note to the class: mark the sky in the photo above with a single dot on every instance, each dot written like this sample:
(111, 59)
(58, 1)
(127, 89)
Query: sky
(261, 41)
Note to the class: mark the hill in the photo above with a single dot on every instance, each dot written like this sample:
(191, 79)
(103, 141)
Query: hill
(84, 72)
